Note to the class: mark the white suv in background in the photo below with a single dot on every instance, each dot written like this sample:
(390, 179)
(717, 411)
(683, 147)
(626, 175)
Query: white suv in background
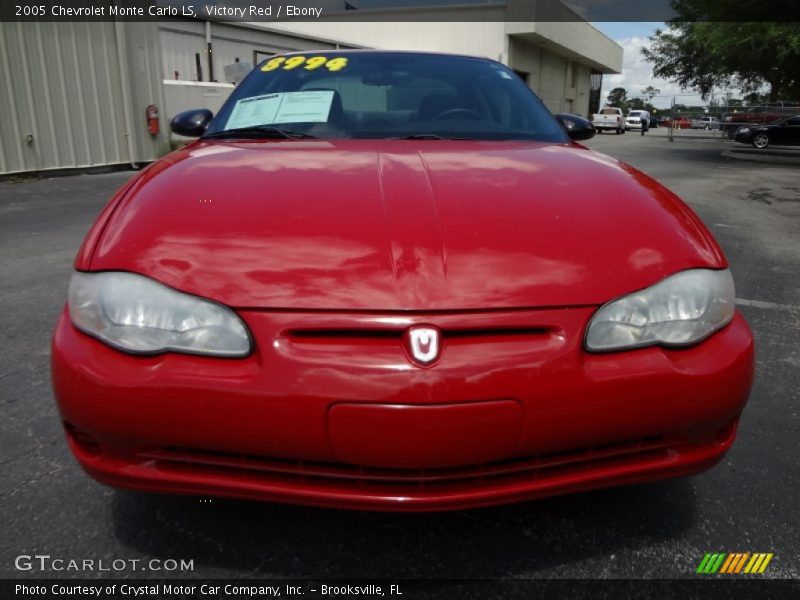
(635, 118)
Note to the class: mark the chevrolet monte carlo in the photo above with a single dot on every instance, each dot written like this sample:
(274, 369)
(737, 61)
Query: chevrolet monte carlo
(394, 281)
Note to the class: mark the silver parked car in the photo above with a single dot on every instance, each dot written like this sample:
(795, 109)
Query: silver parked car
(707, 123)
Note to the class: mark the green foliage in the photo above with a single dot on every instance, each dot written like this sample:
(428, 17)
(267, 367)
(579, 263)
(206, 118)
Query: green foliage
(617, 97)
(650, 92)
(640, 104)
(704, 48)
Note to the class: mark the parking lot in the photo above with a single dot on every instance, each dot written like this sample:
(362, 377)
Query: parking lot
(748, 503)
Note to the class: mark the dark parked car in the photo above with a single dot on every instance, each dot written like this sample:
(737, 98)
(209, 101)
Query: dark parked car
(785, 131)
(757, 115)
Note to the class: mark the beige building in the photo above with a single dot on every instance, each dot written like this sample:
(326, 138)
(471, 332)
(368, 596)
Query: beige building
(75, 95)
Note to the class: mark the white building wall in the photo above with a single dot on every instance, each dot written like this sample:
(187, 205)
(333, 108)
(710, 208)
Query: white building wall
(178, 49)
(181, 40)
(577, 39)
(38, 67)
(66, 85)
(142, 88)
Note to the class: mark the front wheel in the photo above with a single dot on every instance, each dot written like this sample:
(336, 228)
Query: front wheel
(761, 140)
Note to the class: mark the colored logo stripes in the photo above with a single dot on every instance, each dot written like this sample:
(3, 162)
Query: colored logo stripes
(736, 562)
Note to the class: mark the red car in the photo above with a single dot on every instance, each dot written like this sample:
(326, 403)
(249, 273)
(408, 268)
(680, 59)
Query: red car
(385, 280)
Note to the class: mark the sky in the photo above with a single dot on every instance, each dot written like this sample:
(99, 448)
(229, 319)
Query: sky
(637, 73)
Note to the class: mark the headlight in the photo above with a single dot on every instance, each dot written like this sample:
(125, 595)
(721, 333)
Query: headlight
(743, 130)
(136, 314)
(680, 310)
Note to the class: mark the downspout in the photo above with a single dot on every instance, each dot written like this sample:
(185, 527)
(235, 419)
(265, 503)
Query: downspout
(208, 49)
(162, 101)
(124, 75)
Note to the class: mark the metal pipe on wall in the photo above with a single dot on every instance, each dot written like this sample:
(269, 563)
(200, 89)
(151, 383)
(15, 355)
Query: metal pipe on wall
(124, 75)
(208, 50)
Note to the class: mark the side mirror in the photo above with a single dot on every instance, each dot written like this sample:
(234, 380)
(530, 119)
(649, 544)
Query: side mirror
(577, 128)
(191, 123)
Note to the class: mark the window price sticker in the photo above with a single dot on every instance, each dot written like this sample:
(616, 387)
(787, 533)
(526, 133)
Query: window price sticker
(309, 64)
(289, 107)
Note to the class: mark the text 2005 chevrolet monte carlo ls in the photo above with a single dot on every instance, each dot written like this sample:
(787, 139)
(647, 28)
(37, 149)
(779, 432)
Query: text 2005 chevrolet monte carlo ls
(391, 281)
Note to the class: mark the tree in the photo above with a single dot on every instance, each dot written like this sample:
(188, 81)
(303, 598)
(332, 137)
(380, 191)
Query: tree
(639, 104)
(650, 92)
(730, 43)
(617, 97)
(636, 104)
(755, 99)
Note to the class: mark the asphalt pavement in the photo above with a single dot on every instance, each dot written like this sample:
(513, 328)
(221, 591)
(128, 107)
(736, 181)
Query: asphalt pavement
(748, 503)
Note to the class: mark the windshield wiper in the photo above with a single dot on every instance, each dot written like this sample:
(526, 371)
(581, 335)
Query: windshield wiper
(259, 132)
(424, 136)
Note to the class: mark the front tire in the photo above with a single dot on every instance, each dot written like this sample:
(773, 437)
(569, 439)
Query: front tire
(760, 141)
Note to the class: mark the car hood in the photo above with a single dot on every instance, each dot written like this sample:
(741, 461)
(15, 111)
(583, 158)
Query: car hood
(399, 225)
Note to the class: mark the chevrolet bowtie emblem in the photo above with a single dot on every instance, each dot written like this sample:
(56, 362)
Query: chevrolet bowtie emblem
(423, 344)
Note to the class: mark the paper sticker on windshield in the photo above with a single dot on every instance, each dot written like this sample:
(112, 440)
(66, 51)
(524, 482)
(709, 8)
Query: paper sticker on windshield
(305, 107)
(290, 107)
(256, 110)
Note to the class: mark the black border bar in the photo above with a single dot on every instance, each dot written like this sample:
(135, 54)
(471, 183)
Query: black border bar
(389, 10)
(702, 587)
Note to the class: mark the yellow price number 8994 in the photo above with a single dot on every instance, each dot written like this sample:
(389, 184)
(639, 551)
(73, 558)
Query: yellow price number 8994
(309, 64)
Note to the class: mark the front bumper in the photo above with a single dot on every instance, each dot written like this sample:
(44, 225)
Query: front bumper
(329, 411)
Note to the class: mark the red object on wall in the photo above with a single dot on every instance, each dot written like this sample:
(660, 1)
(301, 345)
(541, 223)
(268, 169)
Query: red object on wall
(152, 119)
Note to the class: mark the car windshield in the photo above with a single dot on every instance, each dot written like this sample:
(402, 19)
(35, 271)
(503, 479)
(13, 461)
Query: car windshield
(375, 95)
